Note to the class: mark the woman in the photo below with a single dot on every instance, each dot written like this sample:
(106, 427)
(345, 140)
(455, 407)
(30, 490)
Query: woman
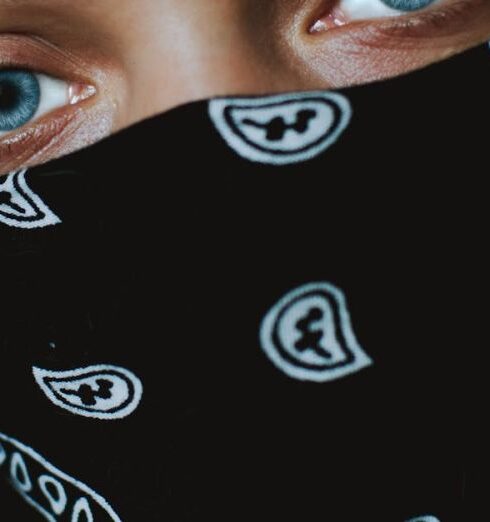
(252, 301)
(103, 66)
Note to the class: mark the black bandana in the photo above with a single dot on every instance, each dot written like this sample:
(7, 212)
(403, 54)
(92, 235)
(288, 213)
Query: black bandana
(253, 308)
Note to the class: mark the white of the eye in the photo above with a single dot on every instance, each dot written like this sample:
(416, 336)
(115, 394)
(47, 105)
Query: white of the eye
(366, 9)
(54, 94)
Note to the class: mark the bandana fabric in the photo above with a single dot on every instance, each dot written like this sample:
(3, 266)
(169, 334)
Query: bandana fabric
(253, 308)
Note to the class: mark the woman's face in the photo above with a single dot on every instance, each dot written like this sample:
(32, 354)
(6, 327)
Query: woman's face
(73, 72)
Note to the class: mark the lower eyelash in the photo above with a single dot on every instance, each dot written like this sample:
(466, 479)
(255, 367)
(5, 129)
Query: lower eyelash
(35, 138)
(438, 19)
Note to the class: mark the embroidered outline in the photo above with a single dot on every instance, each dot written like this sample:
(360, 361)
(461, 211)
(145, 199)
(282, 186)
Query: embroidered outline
(36, 213)
(220, 112)
(58, 505)
(17, 464)
(125, 407)
(57, 473)
(355, 358)
(82, 505)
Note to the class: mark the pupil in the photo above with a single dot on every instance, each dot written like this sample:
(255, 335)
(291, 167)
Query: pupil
(9, 96)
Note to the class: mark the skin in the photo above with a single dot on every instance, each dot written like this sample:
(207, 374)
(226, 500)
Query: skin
(145, 57)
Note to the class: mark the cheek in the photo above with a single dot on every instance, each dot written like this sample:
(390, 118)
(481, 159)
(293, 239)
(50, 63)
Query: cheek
(92, 125)
(338, 68)
(365, 51)
(56, 135)
(29, 144)
(358, 57)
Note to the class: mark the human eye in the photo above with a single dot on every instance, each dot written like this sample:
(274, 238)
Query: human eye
(26, 96)
(357, 41)
(337, 13)
(445, 13)
(52, 101)
(367, 9)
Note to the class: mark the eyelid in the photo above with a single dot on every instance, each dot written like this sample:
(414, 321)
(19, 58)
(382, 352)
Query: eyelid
(23, 51)
(372, 50)
(347, 12)
(446, 18)
(53, 68)
(444, 21)
(369, 9)
(87, 117)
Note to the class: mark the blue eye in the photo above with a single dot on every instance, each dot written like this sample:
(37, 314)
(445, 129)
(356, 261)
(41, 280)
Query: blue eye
(407, 5)
(26, 96)
(20, 95)
(369, 9)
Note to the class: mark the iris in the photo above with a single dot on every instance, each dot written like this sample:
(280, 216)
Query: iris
(20, 95)
(407, 5)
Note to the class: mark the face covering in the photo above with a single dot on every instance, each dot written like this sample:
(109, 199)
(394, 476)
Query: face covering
(257, 308)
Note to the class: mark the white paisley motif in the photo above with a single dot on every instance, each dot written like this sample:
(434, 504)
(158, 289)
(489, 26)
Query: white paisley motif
(102, 391)
(281, 129)
(308, 335)
(20, 207)
(66, 497)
